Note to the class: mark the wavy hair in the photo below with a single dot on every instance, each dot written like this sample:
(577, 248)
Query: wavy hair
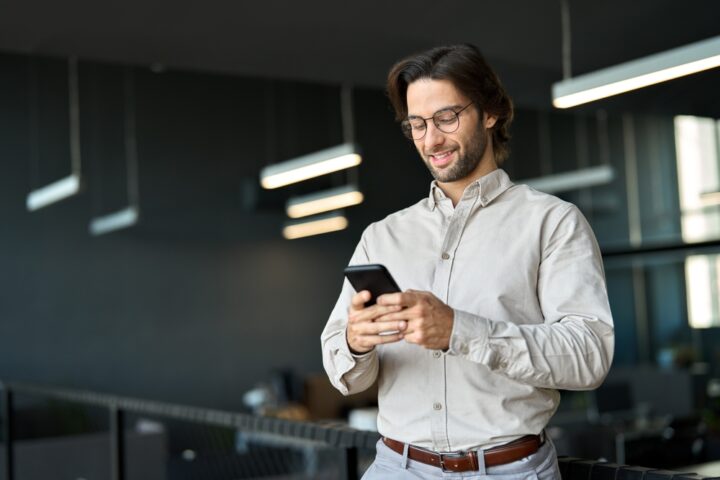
(465, 67)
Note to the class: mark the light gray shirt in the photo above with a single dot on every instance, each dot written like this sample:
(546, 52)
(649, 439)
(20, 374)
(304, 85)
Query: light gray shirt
(523, 273)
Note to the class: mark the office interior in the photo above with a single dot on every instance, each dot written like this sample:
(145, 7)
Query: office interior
(167, 114)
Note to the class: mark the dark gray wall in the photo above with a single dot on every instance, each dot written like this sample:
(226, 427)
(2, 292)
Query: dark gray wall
(204, 298)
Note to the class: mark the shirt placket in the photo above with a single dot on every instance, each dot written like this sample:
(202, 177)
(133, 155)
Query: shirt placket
(441, 288)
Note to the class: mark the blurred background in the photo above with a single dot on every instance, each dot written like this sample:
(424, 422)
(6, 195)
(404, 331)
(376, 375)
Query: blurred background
(141, 258)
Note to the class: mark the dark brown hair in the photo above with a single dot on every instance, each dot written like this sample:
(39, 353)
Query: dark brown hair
(466, 68)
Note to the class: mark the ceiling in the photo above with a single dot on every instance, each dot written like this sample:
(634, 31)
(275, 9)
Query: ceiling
(332, 41)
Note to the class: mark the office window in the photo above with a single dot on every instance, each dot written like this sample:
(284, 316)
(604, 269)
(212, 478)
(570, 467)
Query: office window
(696, 141)
(703, 290)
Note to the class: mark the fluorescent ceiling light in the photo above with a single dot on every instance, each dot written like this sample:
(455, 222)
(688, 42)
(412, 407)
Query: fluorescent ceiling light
(308, 166)
(324, 201)
(639, 73)
(54, 192)
(563, 182)
(114, 221)
(70, 185)
(331, 222)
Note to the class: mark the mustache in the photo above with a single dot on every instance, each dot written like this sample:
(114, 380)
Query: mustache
(439, 150)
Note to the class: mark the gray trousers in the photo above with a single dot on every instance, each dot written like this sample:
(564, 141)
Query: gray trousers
(389, 465)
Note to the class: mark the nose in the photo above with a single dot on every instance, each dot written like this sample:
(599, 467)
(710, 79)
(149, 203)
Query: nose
(433, 137)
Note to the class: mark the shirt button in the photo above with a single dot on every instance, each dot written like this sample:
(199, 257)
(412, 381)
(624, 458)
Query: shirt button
(436, 354)
(445, 256)
(437, 406)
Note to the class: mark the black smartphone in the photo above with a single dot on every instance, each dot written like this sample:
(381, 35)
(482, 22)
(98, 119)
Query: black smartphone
(372, 277)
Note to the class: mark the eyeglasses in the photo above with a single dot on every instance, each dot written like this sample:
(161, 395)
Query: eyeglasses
(446, 120)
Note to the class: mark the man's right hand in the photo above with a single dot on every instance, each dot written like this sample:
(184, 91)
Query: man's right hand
(363, 332)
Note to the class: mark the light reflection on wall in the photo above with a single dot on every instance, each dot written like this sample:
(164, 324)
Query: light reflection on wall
(697, 143)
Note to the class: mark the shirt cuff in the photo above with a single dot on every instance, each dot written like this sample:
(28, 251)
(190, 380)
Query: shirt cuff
(470, 338)
(345, 361)
(360, 356)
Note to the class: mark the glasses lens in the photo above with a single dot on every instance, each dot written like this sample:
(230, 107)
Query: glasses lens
(406, 129)
(414, 128)
(446, 121)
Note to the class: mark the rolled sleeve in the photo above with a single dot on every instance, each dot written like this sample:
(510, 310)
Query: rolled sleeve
(349, 373)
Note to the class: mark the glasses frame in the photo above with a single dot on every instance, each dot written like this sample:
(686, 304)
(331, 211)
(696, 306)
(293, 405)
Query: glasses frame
(407, 132)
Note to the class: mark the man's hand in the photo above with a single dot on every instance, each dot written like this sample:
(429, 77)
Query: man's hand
(365, 324)
(429, 320)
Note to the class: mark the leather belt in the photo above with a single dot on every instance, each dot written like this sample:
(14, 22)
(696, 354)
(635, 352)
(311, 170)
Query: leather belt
(467, 461)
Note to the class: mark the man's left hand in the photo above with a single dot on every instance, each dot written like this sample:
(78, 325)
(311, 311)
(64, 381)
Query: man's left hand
(430, 321)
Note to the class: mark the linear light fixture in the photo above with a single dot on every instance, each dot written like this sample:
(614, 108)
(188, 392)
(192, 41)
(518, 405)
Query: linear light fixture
(130, 215)
(639, 73)
(54, 192)
(114, 221)
(563, 182)
(319, 163)
(329, 222)
(324, 201)
(70, 185)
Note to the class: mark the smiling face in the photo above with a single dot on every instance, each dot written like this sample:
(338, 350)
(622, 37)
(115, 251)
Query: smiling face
(456, 158)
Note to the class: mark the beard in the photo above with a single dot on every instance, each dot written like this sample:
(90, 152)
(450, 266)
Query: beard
(465, 164)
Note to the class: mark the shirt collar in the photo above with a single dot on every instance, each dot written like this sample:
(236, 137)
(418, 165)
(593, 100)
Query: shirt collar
(487, 188)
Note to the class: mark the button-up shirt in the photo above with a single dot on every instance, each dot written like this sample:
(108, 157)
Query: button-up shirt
(523, 274)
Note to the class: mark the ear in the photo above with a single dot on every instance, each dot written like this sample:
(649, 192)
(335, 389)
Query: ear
(489, 120)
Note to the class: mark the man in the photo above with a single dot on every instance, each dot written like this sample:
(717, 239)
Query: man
(506, 299)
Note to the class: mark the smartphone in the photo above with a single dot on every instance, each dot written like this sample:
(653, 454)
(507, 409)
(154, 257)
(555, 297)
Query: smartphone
(372, 277)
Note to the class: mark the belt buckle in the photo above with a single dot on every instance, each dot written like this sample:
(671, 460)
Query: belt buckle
(450, 455)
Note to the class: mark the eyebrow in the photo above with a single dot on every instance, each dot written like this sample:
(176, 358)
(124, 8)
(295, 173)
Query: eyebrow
(449, 107)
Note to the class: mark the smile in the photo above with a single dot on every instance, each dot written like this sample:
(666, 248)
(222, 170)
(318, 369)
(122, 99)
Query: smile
(441, 159)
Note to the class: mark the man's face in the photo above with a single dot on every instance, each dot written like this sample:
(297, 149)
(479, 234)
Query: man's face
(449, 156)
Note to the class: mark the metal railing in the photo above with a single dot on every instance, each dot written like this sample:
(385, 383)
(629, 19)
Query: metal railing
(579, 469)
(345, 439)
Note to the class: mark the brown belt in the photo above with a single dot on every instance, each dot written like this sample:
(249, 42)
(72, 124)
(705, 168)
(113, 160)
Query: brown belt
(467, 461)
